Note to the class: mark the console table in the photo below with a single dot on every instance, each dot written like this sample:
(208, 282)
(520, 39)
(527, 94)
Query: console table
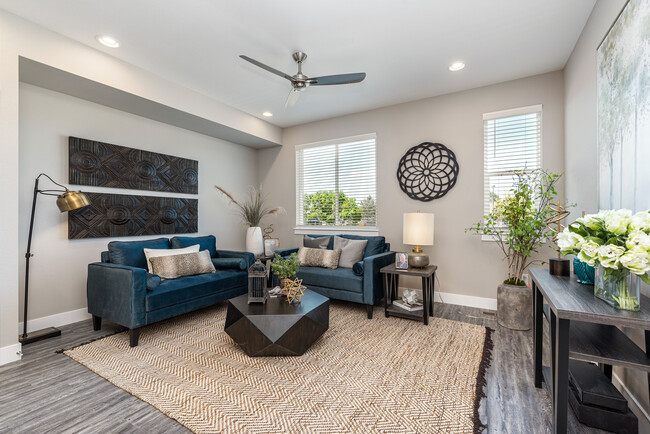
(581, 327)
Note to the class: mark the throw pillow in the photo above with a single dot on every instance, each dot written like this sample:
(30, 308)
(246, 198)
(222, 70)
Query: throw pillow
(154, 253)
(318, 257)
(351, 251)
(315, 243)
(188, 264)
(229, 263)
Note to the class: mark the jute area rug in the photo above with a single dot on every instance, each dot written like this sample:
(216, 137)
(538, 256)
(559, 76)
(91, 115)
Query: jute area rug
(382, 375)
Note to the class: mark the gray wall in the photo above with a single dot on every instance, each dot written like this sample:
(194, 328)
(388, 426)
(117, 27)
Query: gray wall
(467, 265)
(47, 118)
(581, 154)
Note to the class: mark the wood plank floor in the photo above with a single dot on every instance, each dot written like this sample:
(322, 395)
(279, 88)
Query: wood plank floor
(49, 392)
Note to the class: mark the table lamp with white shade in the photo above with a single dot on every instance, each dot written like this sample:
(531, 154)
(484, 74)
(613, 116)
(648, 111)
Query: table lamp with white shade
(418, 231)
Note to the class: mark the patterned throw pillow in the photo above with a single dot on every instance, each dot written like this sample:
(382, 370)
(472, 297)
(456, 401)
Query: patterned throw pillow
(153, 253)
(318, 257)
(189, 264)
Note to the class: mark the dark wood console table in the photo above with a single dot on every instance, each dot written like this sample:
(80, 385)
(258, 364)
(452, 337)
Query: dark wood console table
(582, 327)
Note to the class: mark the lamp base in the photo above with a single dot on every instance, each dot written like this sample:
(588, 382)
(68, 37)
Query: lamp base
(39, 335)
(418, 260)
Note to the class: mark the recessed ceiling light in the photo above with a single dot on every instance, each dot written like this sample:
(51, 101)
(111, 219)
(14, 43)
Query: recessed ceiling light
(108, 41)
(267, 114)
(456, 66)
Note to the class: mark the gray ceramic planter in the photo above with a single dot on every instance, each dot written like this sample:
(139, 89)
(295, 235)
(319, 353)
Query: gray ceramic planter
(515, 307)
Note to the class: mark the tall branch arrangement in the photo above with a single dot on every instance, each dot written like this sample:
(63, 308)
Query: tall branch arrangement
(518, 221)
(252, 209)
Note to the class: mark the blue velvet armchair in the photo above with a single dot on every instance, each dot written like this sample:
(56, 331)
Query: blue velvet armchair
(120, 289)
(359, 284)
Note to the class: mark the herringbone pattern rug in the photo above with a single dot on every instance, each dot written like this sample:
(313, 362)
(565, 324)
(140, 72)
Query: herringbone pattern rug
(382, 375)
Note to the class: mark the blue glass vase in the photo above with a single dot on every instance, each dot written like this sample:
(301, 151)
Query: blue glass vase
(585, 272)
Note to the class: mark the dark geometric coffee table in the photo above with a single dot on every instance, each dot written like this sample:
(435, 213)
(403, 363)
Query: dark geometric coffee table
(277, 328)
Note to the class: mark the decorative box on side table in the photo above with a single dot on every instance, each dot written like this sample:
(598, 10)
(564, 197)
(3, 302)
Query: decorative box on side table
(391, 275)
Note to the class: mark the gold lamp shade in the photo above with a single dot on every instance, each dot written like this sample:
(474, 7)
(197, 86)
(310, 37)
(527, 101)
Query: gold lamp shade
(71, 200)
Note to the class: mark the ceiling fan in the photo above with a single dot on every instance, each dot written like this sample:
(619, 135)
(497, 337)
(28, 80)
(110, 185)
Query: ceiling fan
(300, 81)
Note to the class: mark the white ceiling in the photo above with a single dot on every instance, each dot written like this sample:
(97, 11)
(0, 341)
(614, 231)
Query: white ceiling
(404, 46)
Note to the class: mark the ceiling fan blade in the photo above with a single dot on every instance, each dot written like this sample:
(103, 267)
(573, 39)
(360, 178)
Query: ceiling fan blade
(292, 98)
(337, 79)
(268, 68)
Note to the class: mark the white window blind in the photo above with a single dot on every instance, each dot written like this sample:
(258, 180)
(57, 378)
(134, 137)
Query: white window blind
(513, 141)
(336, 183)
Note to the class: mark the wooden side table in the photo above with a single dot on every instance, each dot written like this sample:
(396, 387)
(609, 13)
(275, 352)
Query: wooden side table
(391, 275)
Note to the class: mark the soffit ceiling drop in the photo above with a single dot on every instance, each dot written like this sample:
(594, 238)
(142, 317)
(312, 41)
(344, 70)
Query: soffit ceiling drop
(405, 47)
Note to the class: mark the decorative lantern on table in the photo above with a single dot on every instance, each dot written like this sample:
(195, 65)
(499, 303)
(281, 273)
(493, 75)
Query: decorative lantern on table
(257, 283)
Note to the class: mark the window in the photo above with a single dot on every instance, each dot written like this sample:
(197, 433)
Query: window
(336, 184)
(513, 141)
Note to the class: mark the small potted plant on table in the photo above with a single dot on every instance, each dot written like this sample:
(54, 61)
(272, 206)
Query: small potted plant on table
(285, 268)
(517, 223)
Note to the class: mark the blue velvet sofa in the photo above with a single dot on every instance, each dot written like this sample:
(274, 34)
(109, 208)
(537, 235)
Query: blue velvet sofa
(120, 289)
(359, 284)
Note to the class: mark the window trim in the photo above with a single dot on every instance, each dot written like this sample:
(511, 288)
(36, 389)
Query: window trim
(508, 113)
(328, 230)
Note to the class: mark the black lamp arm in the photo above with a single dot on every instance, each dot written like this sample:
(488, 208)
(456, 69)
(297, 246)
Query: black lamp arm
(53, 181)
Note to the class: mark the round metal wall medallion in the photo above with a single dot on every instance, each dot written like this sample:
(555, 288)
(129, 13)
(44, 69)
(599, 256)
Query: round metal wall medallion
(427, 171)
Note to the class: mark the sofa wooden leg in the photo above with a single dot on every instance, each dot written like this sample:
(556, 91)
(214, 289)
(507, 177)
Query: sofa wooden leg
(369, 310)
(134, 335)
(97, 322)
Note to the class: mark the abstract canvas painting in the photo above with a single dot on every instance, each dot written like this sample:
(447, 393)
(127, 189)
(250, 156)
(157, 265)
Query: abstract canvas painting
(623, 82)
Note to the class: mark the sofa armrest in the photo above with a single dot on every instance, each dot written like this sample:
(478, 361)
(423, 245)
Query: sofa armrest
(286, 252)
(372, 284)
(249, 257)
(117, 293)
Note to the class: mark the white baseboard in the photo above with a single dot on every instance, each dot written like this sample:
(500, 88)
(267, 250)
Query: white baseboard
(633, 403)
(466, 300)
(58, 320)
(10, 353)
(462, 300)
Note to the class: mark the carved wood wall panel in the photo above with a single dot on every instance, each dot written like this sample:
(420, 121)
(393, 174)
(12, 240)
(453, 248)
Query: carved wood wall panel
(118, 215)
(105, 165)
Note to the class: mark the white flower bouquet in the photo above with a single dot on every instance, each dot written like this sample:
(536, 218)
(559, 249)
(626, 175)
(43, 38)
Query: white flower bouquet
(618, 244)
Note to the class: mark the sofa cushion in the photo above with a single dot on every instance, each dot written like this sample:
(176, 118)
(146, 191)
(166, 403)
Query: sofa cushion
(351, 251)
(187, 264)
(131, 253)
(181, 290)
(341, 278)
(315, 243)
(357, 268)
(208, 242)
(229, 263)
(154, 253)
(375, 246)
(319, 257)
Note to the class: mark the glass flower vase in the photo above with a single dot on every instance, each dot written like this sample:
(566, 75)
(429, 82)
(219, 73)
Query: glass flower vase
(620, 288)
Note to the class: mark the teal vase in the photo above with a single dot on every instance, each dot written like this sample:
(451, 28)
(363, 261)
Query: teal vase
(585, 272)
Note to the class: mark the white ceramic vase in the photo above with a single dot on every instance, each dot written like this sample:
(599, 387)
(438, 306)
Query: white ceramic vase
(254, 241)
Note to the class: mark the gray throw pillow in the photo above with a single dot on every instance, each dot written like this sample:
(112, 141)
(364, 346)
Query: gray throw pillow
(315, 243)
(189, 264)
(318, 257)
(351, 251)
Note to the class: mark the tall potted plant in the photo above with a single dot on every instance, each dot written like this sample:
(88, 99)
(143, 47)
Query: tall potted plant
(252, 210)
(517, 223)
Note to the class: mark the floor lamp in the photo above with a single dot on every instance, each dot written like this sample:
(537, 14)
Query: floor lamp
(66, 201)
